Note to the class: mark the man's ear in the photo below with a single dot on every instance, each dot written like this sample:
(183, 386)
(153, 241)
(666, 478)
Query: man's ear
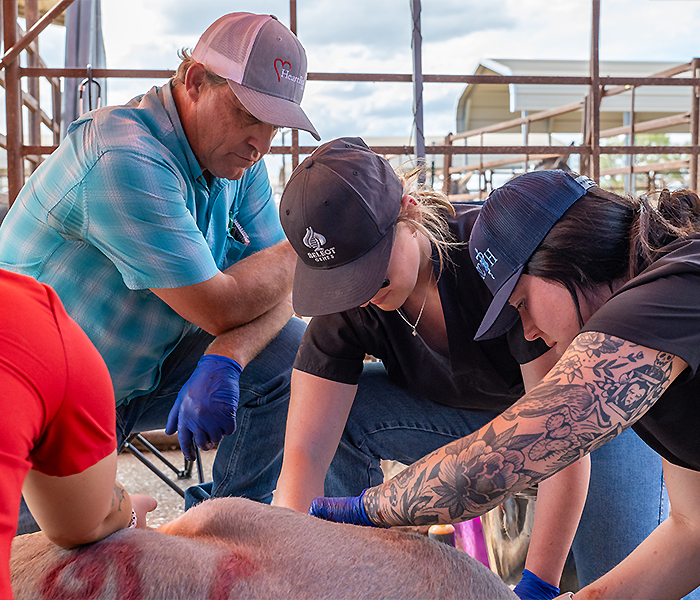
(195, 81)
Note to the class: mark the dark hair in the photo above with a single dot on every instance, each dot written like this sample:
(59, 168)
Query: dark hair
(604, 237)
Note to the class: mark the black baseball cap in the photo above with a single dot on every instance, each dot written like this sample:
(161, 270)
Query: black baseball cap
(514, 220)
(339, 212)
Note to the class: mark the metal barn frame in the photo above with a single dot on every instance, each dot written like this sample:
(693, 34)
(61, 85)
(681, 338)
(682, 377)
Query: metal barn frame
(26, 151)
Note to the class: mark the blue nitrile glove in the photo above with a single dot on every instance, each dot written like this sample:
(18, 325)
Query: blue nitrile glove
(341, 510)
(532, 587)
(206, 406)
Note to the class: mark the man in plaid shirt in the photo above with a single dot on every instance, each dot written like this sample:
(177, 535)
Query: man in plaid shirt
(155, 223)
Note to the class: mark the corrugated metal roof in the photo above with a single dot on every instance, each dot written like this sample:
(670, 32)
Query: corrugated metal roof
(44, 7)
(485, 104)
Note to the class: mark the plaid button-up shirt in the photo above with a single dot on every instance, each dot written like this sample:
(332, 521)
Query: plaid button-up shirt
(121, 207)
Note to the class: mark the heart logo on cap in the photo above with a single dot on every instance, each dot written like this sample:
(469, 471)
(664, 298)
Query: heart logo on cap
(282, 63)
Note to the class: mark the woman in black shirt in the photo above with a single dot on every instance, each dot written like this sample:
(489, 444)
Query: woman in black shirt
(613, 284)
(384, 271)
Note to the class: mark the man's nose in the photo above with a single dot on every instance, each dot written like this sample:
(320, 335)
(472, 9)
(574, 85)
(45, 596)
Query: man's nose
(261, 138)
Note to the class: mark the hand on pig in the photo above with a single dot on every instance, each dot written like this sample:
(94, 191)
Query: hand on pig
(341, 510)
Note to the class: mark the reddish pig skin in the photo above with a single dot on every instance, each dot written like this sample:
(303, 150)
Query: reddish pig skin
(236, 548)
(84, 571)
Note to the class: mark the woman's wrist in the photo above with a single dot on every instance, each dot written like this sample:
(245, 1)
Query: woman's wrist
(369, 502)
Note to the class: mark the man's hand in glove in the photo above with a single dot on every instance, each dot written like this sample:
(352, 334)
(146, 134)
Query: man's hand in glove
(205, 409)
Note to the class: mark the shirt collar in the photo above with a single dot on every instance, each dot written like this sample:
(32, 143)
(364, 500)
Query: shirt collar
(165, 93)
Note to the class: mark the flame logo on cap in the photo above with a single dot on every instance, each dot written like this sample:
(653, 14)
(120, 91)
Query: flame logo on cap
(313, 240)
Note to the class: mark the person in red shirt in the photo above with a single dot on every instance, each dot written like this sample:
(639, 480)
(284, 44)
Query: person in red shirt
(58, 445)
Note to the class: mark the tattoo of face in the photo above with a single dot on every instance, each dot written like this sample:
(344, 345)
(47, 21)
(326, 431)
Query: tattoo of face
(600, 387)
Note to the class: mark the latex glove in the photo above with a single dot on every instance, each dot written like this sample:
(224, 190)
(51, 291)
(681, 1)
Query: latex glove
(532, 587)
(341, 510)
(205, 409)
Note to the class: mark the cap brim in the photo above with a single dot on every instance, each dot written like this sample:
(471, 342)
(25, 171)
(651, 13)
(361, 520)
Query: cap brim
(500, 316)
(326, 291)
(275, 111)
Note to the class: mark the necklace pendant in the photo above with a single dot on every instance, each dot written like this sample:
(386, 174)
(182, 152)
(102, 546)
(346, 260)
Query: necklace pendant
(414, 332)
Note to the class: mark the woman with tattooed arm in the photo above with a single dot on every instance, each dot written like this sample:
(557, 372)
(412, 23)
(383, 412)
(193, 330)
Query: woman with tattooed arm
(384, 269)
(612, 285)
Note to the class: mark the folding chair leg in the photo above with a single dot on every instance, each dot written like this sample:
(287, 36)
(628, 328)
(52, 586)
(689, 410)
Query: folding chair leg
(184, 473)
(137, 453)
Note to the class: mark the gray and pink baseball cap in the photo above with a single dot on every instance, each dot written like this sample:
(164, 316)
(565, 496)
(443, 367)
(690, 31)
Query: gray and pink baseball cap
(264, 64)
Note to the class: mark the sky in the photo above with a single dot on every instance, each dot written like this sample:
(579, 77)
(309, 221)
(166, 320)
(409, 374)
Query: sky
(374, 36)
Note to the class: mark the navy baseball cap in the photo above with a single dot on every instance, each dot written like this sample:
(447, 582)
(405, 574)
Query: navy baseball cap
(514, 220)
(339, 211)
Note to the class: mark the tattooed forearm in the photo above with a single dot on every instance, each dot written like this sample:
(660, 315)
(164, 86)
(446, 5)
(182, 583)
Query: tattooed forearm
(601, 386)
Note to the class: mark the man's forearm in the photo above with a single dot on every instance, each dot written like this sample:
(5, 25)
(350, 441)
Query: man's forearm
(264, 279)
(243, 343)
(238, 296)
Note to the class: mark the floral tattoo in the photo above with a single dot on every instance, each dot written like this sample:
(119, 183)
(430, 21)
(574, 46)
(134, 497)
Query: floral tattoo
(601, 386)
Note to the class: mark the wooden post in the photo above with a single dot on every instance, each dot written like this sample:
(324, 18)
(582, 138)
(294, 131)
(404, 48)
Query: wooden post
(295, 148)
(13, 106)
(584, 159)
(631, 143)
(595, 94)
(694, 124)
(446, 166)
(295, 132)
(31, 14)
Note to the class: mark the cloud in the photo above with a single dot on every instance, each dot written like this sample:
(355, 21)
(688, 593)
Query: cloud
(375, 36)
(385, 28)
(192, 18)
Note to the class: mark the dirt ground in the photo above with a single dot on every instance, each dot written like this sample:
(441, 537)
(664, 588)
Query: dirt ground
(138, 479)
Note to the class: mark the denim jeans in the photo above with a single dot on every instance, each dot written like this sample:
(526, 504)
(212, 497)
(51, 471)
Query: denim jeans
(249, 461)
(626, 500)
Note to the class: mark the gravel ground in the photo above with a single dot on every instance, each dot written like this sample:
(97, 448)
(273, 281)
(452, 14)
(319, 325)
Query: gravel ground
(138, 479)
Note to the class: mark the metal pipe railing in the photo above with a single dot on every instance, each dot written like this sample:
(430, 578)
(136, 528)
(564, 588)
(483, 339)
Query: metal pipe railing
(589, 151)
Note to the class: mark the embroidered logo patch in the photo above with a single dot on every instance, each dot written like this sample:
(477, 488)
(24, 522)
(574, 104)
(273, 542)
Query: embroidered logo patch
(286, 73)
(316, 241)
(484, 262)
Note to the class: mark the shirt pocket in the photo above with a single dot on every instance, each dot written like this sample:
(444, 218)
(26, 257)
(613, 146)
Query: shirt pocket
(233, 251)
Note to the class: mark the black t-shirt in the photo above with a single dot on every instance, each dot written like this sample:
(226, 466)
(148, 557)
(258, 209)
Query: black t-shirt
(660, 309)
(477, 376)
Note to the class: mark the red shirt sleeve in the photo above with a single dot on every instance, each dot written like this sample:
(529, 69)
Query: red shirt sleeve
(56, 398)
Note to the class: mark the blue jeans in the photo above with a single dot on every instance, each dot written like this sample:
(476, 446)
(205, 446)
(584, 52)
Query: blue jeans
(625, 503)
(247, 462)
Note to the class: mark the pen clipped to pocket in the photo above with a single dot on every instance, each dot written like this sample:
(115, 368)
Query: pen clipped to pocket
(237, 232)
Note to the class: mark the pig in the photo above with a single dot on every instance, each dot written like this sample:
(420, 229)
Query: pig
(236, 548)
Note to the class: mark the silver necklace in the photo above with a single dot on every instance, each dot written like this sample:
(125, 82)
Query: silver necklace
(420, 314)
